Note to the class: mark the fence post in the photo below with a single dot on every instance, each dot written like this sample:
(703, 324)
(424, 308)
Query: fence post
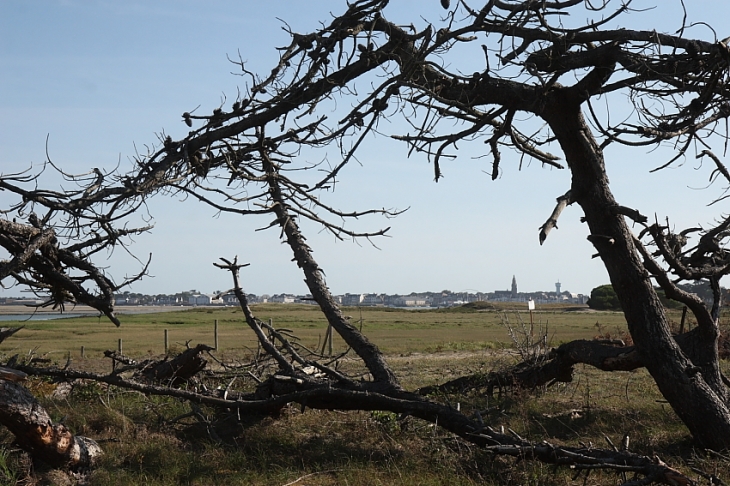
(119, 346)
(83, 352)
(166, 341)
(215, 335)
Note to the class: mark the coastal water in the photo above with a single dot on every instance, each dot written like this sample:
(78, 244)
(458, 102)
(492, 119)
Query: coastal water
(41, 316)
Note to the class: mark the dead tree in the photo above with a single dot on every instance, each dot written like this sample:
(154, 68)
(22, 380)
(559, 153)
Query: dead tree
(245, 159)
(60, 274)
(531, 65)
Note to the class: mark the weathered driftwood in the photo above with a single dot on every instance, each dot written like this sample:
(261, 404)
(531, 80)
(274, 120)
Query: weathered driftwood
(36, 433)
(33, 428)
(54, 443)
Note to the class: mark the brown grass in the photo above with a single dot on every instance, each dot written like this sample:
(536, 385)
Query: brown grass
(144, 445)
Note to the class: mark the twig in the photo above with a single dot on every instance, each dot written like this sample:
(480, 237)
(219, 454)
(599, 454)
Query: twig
(329, 471)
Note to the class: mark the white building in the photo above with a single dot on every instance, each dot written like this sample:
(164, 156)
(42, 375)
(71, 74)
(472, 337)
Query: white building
(352, 299)
(199, 299)
(283, 299)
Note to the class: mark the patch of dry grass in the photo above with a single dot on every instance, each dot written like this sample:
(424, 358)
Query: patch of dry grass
(144, 446)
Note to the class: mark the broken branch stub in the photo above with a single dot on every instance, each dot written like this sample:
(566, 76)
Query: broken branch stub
(36, 433)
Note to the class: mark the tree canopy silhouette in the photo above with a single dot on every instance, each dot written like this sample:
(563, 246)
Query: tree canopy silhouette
(604, 297)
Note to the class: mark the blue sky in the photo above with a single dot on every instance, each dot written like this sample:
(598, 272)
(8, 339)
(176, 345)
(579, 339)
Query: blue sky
(99, 78)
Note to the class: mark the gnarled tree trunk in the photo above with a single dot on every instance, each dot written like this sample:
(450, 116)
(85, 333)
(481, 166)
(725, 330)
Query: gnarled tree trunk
(692, 384)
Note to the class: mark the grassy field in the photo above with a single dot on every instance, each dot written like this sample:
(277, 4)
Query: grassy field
(147, 442)
(395, 331)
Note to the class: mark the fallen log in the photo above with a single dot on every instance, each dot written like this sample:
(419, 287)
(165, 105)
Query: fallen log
(36, 433)
(178, 370)
(9, 374)
(172, 372)
(557, 366)
(553, 367)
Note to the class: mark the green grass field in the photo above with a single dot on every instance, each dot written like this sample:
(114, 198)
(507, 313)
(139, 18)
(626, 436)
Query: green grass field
(395, 331)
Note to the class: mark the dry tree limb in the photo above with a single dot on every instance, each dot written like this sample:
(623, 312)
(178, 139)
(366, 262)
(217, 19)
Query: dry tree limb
(316, 473)
(6, 332)
(557, 366)
(9, 374)
(552, 222)
(315, 68)
(60, 274)
(328, 393)
(285, 364)
(721, 169)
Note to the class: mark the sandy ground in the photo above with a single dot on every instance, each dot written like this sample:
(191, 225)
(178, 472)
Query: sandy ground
(82, 309)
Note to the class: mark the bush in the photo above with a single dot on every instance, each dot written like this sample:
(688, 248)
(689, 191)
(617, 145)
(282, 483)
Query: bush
(667, 302)
(604, 298)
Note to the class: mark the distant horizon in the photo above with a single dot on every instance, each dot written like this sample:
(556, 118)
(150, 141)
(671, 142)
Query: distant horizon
(467, 291)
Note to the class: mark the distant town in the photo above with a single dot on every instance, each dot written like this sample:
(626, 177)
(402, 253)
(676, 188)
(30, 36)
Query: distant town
(445, 298)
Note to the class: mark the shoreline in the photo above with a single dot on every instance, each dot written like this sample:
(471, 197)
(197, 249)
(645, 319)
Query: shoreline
(86, 310)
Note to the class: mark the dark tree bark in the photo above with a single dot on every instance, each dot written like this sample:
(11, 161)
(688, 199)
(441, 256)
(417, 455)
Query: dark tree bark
(695, 391)
(314, 279)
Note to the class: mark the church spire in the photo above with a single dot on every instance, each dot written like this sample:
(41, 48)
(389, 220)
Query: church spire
(514, 287)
